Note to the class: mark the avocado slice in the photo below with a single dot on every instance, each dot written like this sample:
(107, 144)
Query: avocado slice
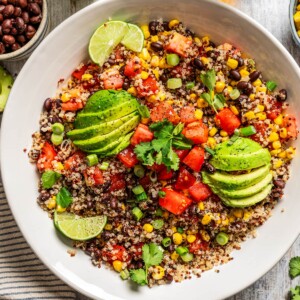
(105, 99)
(102, 140)
(6, 82)
(84, 120)
(248, 201)
(247, 192)
(227, 181)
(103, 128)
(123, 144)
(243, 154)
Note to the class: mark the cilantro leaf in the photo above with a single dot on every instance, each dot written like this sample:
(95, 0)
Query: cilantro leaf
(152, 254)
(64, 198)
(139, 276)
(144, 152)
(295, 293)
(294, 267)
(49, 178)
(178, 129)
(207, 98)
(209, 79)
(219, 101)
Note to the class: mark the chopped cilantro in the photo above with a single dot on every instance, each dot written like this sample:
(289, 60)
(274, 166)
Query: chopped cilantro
(64, 198)
(295, 293)
(209, 79)
(294, 267)
(49, 178)
(139, 276)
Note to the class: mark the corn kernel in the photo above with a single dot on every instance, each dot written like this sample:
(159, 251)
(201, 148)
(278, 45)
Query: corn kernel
(233, 83)
(161, 96)
(276, 145)
(208, 49)
(283, 133)
(65, 97)
(261, 89)
(197, 41)
(234, 110)
(201, 206)
(51, 203)
(163, 182)
(144, 75)
(290, 152)
(146, 31)
(225, 222)
(198, 114)
(144, 64)
(145, 121)
(232, 63)
(108, 226)
(205, 41)
(252, 97)
(74, 93)
(152, 98)
(278, 120)
(298, 32)
(173, 23)
(193, 96)
(244, 73)
(59, 166)
(156, 74)
(261, 116)
(132, 91)
(213, 131)
(174, 256)
(260, 107)
(163, 64)
(231, 219)
(60, 209)
(183, 236)
(275, 152)
(257, 82)
(220, 86)
(298, 7)
(165, 214)
(86, 77)
(204, 60)
(117, 264)
(154, 61)
(201, 103)
(206, 219)
(223, 133)
(247, 215)
(282, 154)
(211, 142)
(177, 238)
(174, 229)
(148, 227)
(154, 38)
(225, 138)
(229, 89)
(273, 137)
(158, 272)
(145, 54)
(205, 236)
(238, 213)
(191, 238)
(278, 164)
(249, 115)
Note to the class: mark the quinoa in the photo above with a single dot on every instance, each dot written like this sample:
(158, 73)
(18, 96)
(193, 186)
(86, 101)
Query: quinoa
(123, 236)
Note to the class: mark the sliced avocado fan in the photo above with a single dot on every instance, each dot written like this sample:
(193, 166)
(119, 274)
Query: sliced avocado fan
(6, 82)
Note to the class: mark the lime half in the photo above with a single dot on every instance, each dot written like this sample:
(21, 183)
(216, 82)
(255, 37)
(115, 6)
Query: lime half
(105, 39)
(78, 228)
(134, 38)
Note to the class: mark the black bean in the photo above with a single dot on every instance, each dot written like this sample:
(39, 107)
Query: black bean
(13, 2)
(8, 39)
(234, 74)
(7, 26)
(139, 265)
(249, 89)
(90, 204)
(242, 85)
(15, 47)
(54, 119)
(48, 104)
(36, 19)
(254, 75)
(189, 32)
(282, 95)
(20, 24)
(121, 70)
(30, 32)
(39, 2)
(14, 31)
(126, 85)
(171, 248)
(242, 98)
(240, 62)
(169, 277)
(106, 185)
(2, 48)
(198, 64)
(113, 203)
(193, 210)
(157, 46)
(165, 25)
(153, 27)
(163, 78)
(209, 167)
(111, 61)
(8, 11)
(212, 44)
(23, 3)
(279, 183)
(44, 196)
(34, 8)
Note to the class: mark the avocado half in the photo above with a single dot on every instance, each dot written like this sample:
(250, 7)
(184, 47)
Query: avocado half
(6, 82)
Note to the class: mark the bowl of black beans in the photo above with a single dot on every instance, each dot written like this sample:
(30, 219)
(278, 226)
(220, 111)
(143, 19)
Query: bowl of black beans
(23, 25)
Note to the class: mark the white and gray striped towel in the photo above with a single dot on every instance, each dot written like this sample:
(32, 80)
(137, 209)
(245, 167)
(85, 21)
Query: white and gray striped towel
(22, 274)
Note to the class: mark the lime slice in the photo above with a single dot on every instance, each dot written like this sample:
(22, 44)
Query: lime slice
(78, 228)
(134, 38)
(105, 39)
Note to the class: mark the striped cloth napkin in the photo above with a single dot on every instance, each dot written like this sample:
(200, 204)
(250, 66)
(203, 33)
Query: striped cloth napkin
(22, 274)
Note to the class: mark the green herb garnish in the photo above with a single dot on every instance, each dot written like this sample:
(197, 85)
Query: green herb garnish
(294, 265)
(49, 178)
(64, 198)
(295, 293)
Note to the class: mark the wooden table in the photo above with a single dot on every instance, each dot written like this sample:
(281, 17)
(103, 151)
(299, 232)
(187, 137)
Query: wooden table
(274, 16)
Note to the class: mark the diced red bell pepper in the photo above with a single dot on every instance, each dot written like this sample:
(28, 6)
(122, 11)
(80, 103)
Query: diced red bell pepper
(148, 87)
(174, 202)
(198, 245)
(185, 180)
(197, 132)
(132, 68)
(164, 111)
(46, 157)
(93, 176)
(164, 174)
(200, 191)
(117, 253)
(227, 120)
(179, 44)
(145, 181)
(275, 108)
(73, 161)
(128, 157)
(72, 105)
(142, 134)
(182, 153)
(261, 131)
(187, 114)
(117, 182)
(289, 122)
(195, 159)
(79, 72)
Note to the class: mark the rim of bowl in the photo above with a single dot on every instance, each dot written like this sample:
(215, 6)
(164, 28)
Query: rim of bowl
(51, 35)
(295, 35)
(35, 38)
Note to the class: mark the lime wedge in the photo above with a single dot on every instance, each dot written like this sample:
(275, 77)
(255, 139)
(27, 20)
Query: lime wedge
(134, 38)
(105, 39)
(78, 228)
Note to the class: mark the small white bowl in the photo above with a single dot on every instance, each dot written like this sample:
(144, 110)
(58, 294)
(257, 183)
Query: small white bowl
(29, 47)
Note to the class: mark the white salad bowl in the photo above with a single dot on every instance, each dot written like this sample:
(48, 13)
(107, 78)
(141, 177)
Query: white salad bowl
(55, 58)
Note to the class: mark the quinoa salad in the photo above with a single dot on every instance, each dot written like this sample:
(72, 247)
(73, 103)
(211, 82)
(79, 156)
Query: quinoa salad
(163, 152)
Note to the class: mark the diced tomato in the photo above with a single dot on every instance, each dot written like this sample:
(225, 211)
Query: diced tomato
(118, 53)
(149, 87)
(275, 109)
(182, 153)
(195, 159)
(198, 245)
(142, 134)
(128, 157)
(79, 72)
(197, 132)
(46, 157)
(113, 82)
(227, 120)
(185, 180)
(157, 168)
(72, 105)
(164, 174)
(93, 176)
(73, 161)
(174, 202)
(261, 131)
(187, 114)
(132, 68)
(179, 44)
(199, 191)
(117, 253)
(164, 111)
(145, 181)
(117, 182)
(289, 122)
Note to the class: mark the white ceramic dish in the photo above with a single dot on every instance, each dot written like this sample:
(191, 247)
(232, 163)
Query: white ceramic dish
(55, 58)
